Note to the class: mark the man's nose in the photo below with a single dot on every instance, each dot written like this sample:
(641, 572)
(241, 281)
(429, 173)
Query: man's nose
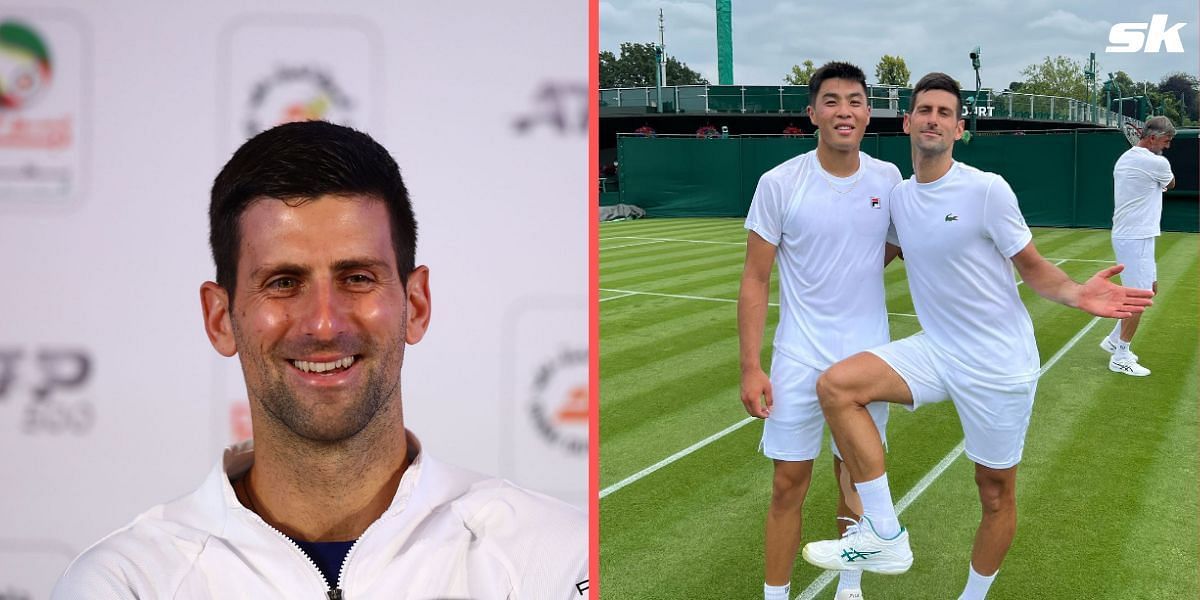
(325, 310)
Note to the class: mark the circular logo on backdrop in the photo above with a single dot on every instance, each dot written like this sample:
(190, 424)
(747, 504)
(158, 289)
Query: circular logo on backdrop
(559, 400)
(24, 65)
(297, 94)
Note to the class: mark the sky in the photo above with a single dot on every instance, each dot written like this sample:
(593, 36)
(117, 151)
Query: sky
(769, 36)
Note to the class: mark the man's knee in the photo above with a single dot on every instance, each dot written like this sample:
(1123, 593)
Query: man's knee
(997, 491)
(790, 485)
(838, 387)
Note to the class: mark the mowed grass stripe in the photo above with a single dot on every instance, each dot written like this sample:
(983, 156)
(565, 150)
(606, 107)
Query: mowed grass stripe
(686, 263)
(679, 228)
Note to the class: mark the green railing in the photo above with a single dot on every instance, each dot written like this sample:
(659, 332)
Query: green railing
(792, 99)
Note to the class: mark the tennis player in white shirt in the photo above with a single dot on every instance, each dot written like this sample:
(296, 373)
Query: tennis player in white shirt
(962, 232)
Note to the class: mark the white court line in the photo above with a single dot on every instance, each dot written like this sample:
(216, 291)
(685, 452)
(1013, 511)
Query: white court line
(680, 296)
(827, 577)
(674, 457)
(617, 296)
(629, 245)
(627, 293)
(1062, 260)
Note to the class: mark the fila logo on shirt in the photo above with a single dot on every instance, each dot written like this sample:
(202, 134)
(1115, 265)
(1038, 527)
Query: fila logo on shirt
(874, 201)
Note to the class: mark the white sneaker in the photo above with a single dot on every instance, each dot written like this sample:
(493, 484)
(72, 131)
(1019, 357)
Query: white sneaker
(1128, 366)
(1111, 347)
(861, 549)
(849, 595)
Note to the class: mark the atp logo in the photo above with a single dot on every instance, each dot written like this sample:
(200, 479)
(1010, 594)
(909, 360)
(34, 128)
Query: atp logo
(1129, 36)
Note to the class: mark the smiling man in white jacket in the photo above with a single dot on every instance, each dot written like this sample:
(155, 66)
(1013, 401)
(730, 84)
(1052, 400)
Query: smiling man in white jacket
(317, 292)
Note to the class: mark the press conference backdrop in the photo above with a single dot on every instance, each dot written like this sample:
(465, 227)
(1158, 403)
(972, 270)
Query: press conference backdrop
(114, 119)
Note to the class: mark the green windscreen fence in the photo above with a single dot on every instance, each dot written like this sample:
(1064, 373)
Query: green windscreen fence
(1061, 179)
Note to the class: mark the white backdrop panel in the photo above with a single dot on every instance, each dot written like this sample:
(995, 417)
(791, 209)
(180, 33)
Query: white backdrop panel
(116, 117)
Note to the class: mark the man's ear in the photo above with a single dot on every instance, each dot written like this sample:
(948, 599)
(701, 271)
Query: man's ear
(214, 301)
(417, 293)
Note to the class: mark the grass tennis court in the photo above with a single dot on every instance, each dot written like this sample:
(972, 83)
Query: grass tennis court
(1107, 490)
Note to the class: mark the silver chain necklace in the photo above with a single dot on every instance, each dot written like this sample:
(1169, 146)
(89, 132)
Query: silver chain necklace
(832, 186)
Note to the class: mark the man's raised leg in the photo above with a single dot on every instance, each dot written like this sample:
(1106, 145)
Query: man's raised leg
(845, 390)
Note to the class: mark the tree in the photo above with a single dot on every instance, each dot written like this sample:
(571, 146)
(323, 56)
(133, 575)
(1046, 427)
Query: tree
(1125, 85)
(635, 68)
(800, 75)
(1180, 84)
(891, 70)
(1059, 76)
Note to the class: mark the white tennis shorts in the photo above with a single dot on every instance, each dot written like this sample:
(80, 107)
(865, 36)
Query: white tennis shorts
(994, 414)
(793, 431)
(1138, 257)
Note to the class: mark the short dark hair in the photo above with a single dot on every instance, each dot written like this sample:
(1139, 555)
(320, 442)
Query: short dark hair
(303, 161)
(937, 81)
(834, 70)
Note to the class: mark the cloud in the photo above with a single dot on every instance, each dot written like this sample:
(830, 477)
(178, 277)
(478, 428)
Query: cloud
(1070, 23)
(769, 36)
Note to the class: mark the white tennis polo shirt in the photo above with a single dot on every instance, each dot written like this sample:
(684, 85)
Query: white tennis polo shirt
(959, 234)
(829, 234)
(1138, 180)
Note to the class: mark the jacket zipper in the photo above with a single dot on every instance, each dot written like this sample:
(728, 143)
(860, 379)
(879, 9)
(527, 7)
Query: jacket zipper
(336, 594)
(331, 593)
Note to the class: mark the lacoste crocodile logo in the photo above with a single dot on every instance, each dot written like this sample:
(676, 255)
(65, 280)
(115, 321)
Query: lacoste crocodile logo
(951, 217)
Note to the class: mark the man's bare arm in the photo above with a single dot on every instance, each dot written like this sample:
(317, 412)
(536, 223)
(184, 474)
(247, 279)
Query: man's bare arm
(1097, 295)
(752, 321)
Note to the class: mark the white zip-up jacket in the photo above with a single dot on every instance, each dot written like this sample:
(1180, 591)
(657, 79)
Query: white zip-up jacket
(449, 534)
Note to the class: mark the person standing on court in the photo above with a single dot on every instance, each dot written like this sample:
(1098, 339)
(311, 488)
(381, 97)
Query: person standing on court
(318, 293)
(962, 233)
(823, 216)
(1140, 177)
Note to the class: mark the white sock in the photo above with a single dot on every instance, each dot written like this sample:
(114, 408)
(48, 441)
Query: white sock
(977, 585)
(878, 507)
(1122, 350)
(1115, 335)
(777, 592)
(849, 580)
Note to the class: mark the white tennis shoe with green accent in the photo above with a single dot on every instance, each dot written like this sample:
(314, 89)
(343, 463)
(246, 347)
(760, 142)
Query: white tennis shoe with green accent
(861, 549)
